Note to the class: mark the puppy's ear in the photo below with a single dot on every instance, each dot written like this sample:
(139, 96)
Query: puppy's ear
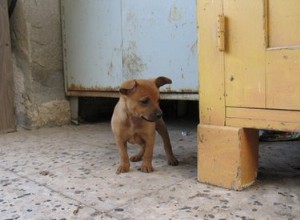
(160, 81)
(128, 87)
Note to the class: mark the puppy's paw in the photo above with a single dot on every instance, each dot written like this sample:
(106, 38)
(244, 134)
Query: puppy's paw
(146, 168)
(173, 161)
(135, 158)
(122, 169)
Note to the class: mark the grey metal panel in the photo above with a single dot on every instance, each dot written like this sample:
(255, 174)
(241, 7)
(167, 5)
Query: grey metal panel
(107, 42)
(92, 44)
(160, 38)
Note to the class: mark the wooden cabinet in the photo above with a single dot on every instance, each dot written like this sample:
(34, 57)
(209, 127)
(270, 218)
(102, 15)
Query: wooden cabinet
(249, 70)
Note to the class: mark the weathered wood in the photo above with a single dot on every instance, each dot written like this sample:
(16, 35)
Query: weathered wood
(283, 23)
(7, 111)
(227, 156)
(263, 119)
(258, 72)
(283, 74)
(245, 57)
(211, 64)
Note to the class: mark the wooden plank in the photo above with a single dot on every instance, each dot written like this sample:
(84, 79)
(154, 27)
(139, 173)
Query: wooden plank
(211, 63)
(283, 23)
(263, 114)
(7, 112)
(283, 78)
(227, 156)
(245, 53)
(263, 124)
(263, 119)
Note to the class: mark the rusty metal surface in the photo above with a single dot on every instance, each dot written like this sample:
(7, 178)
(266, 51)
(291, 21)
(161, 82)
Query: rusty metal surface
(96, 91)
(78, 87)
(163, 96)
(108, 42)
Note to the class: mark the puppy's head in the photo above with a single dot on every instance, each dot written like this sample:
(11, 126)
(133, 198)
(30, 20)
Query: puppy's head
(142, 97)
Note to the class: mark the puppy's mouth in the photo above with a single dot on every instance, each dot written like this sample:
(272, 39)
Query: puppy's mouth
(146, 119)
(152, 117)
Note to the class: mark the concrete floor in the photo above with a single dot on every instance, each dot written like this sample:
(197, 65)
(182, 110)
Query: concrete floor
(69, 173)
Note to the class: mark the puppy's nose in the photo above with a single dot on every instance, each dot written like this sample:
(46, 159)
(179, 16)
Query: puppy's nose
(159, 114)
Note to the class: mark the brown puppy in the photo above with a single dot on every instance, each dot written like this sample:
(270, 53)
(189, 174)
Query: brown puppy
(136, 117)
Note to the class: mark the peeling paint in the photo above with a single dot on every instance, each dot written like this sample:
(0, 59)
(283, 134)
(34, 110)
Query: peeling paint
(194, 47)
(110, 69)
(175, 14)
(133, 65)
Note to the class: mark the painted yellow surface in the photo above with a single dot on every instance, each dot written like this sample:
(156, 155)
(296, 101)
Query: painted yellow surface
(211, 63)
(263, 119)
(283, 55)
(283, 78)
(284, 23)
(264, 114)
(262, 59)
(245, 54)
(258, 66)
(251, 79)
(227, 156)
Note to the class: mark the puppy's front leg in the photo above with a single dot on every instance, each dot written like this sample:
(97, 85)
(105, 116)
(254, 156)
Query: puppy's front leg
(163, 132)
(148, 155)
(124, 164)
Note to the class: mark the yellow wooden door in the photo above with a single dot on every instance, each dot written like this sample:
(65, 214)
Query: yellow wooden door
(262, 54)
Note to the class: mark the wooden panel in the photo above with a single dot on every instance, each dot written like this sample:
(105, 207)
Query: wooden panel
(283, 56)
(227, 156)
(7, 114)
(262, 124)
(263, 119)
(283, 78)
(245, 53)
(284, 23)
(211, 64)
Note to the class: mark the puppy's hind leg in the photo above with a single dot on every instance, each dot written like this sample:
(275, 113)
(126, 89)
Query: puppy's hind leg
(138, 156)
(163, 132)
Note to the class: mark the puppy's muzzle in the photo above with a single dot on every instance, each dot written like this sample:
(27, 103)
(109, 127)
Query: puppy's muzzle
(159, 114)
(153, 117)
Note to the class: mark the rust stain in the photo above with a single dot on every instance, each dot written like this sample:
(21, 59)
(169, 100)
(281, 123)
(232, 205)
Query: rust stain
(188, 91)
(78, 87)
(114, 94)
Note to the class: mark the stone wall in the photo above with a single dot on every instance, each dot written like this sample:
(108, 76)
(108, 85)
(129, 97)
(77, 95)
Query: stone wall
(38, 65)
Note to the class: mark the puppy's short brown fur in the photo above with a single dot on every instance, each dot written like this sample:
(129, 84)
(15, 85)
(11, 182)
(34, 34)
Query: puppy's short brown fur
(135, 118)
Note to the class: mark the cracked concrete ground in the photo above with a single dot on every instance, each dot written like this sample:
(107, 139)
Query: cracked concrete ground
(69, 173)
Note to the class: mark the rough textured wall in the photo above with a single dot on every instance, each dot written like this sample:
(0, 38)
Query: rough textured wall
(38, 65)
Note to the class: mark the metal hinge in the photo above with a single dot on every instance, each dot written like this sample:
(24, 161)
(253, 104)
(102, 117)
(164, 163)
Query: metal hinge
(221, 32)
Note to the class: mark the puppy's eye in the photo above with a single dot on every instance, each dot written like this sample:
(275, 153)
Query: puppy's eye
(145, 101)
